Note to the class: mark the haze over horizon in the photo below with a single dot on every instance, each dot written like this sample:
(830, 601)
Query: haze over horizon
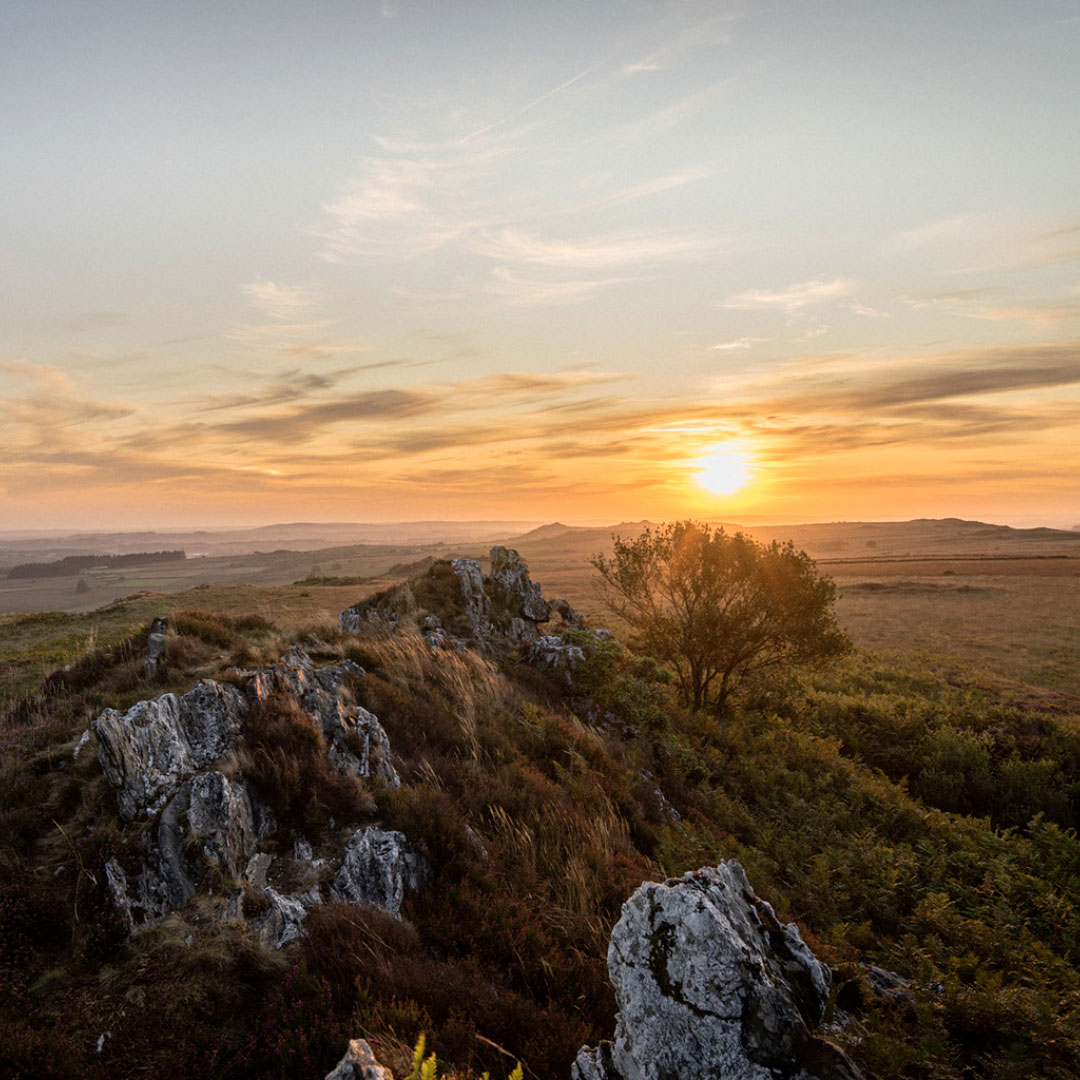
(403, 260)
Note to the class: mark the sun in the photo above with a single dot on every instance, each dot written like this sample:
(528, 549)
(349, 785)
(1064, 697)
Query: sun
(724, 470)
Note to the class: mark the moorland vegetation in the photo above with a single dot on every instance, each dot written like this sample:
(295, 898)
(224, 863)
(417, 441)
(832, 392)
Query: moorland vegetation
(906, 823)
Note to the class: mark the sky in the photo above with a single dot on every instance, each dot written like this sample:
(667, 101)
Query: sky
(585, 260)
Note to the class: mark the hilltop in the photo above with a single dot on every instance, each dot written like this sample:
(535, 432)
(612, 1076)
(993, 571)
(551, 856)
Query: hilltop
(427, 815)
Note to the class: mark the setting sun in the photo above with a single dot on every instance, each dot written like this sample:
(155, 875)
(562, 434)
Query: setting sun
(724, 470)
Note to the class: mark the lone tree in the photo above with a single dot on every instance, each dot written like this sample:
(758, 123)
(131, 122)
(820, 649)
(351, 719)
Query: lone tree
(718, 606)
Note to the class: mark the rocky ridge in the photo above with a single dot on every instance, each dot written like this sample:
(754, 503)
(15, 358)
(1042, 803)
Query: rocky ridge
(503, 607)
(707, 980)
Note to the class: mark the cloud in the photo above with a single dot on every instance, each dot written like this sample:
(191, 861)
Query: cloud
(588, 253)
(284, 302)
(530, 292)
(53, 403)
(969, 243)
(738, 344)
(971, 304)
(408, 204)
(793, 298)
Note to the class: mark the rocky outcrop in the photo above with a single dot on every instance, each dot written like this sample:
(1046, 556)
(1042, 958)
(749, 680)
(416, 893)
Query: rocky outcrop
(709, 983)
(505, 605)
(210, 833)
(378, 868)
(359, 1064)
(147, 751)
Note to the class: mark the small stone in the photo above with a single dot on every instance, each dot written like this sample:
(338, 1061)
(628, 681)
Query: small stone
(359, 1063)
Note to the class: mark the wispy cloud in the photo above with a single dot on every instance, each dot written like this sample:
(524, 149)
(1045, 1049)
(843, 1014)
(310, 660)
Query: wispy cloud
(791, 299)
(407, 204)
(738, 344)
(587, 253)
(289, 303)
(531, 292)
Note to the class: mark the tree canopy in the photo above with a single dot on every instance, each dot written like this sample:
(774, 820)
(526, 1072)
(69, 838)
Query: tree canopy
(718, 606)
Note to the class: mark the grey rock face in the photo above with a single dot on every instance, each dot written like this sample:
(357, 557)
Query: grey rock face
(283, 921)
(524, 631)
(356, 741)
(377, 870)
(709, 983)
(477, 602)
(359, 1064)
(511, 582)
(211, 822)
(148, 750)
(553, 652)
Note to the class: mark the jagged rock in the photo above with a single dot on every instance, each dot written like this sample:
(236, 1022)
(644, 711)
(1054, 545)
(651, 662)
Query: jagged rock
(282, 918)
(211, 821)
(297, 657)
(524, 631)
(474, 596)
(117, 882)
(562, 607)
(257, 869)
(377, 870)
(148, 750)
(709, 983)
(359, 1064)
(554, 652)
(887, 986)
(511, 583)
(155, 648)
(356, 741)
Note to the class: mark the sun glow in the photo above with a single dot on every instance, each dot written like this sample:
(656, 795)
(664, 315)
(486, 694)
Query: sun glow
(724, 470)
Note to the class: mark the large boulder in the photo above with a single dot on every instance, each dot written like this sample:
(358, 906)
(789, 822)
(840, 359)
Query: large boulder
(377, 870)
(149, 750)
(709, 983)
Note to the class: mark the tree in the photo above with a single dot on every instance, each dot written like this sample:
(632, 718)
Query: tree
(719, 607)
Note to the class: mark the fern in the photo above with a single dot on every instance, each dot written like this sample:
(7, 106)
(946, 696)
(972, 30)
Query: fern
(428, 1068)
